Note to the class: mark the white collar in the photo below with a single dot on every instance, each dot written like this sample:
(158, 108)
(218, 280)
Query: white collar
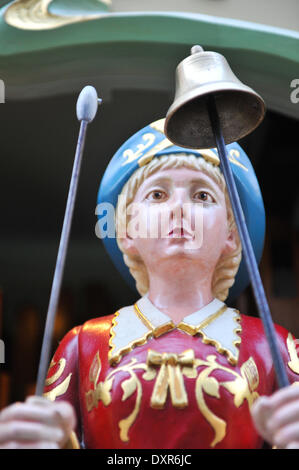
(215, 323)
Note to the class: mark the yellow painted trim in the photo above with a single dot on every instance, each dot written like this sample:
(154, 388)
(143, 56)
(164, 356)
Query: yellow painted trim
(185, 327)
(143, 318)
(72, 442)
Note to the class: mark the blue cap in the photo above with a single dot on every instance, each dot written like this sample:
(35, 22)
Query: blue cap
(150, 142)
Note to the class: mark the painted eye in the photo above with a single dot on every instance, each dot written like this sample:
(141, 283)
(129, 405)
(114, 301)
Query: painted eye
(156, 195)
(203, 196)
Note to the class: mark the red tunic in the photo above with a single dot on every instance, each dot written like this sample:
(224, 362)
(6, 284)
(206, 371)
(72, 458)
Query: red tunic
(190, 397)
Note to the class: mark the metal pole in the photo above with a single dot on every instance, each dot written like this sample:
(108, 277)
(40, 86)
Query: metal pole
(86, 110)
(249, 256)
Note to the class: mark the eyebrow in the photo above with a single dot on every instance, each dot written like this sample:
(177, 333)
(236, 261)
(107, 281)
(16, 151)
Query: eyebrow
(162, 179)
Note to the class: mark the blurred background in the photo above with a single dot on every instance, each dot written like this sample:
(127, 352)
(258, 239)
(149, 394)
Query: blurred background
(131, 61)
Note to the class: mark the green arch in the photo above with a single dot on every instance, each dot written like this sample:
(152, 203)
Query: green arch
(142, 50)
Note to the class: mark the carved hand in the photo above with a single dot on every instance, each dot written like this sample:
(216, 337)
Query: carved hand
(276, 418)
(36, 424)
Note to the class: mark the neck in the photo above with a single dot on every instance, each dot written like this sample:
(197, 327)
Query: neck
(178, 294)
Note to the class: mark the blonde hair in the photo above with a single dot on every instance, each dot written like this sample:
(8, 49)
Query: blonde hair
(227, 267)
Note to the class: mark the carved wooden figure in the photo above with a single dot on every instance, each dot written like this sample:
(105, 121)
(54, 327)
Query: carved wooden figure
(179, 368)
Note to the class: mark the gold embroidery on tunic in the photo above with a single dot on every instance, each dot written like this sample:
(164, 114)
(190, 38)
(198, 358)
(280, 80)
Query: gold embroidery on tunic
(59, 390)
(168, 369)
(294, 362)
(63, 386)
(249, 370)
(171, 369)
(238, 387)
(101, 392)
(61, 365)
(95, 369)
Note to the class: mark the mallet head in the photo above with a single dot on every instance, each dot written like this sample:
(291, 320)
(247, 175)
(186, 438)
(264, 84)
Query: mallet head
(87, 104)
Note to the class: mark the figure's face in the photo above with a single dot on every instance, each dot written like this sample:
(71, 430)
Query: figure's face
(179, 214)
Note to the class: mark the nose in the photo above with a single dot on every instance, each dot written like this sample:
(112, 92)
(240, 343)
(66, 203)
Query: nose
(178, 199)
(183, 210)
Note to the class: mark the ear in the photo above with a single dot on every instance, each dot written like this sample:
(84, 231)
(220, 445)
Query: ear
(128, 244)
(231, 242)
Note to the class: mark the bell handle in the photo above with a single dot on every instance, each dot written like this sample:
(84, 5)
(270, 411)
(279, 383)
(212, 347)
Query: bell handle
(250, 260)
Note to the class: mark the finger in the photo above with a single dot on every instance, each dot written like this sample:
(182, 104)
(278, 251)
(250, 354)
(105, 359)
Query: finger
(25, 431)
(67, 419)
(293, 445)
(31, 445)
(285, 415)
(286, 435)
(38, 410)
(39, 401)
(284, 395)
(65, 415)
(63, 412)
(64, 409)
(261, 411)
(27, 412)
(4, 410)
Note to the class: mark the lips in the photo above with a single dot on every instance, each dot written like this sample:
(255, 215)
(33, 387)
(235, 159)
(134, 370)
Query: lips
(180, 232)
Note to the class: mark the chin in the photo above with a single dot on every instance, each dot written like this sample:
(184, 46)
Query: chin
(183, 249)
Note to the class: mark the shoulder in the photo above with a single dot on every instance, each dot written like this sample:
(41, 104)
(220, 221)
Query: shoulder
(103, 324)
(253, 332)
(95, 325)
(69, 342)
(254, 325)
(98, 326)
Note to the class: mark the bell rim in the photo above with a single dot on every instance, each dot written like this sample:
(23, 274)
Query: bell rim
(209, 89)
